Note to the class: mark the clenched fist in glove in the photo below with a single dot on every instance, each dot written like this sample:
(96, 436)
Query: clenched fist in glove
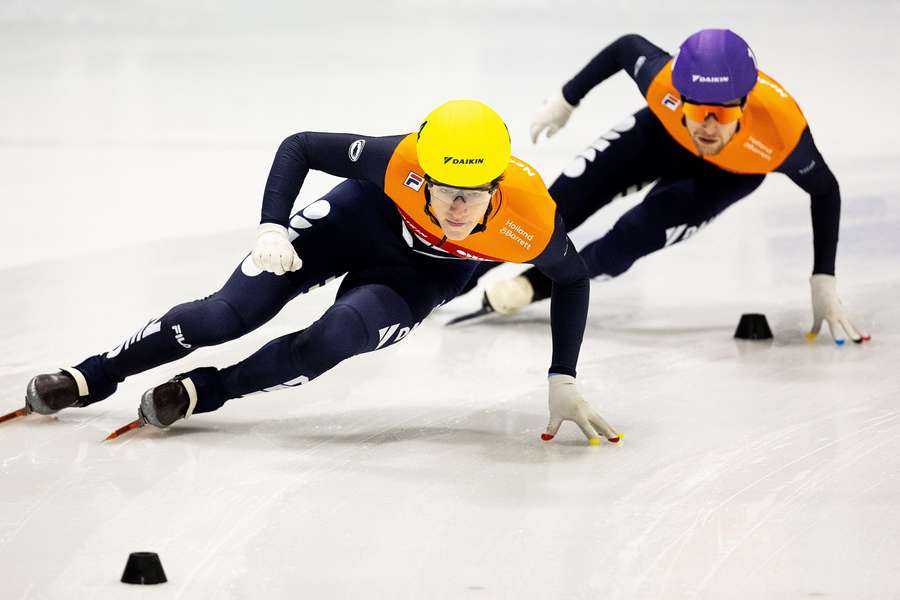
(826, 305)
(567, 404)
(273, 251)
(551, 116)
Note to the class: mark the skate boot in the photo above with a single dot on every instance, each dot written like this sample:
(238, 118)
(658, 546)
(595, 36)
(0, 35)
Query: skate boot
(52, 392)
(509, 296)
(163, 405)
(505, 298)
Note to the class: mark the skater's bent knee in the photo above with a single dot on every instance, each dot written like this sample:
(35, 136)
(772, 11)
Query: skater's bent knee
(207, 322)
(339, 334)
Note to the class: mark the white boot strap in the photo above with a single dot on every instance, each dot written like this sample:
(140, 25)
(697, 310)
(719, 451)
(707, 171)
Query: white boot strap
(192, 395)
(79, 379)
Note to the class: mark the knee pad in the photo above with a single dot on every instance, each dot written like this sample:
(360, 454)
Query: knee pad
(204, 322)
(339, 334)
(609, 256)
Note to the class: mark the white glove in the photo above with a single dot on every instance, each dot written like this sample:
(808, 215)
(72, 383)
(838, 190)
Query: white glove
(273, 251)
(551, 116)
(509, 295)
(567, 404)
(826, 305)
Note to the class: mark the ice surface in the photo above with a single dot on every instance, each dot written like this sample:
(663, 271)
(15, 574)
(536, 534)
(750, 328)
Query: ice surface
(134, 143)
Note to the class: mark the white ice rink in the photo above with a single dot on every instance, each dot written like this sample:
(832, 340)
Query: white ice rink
(135, 139)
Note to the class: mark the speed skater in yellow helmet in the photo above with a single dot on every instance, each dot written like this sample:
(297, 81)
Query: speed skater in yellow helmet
(463, 143)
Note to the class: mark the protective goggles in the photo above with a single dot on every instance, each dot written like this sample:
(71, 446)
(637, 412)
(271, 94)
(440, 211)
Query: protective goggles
(446, 194)
(723, 114)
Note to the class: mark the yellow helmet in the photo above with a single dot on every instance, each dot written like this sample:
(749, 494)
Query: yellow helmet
(463, 143)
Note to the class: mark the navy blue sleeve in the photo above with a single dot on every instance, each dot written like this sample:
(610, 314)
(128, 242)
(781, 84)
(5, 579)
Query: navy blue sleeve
(806, 167)
(340, 154)
(561, 262)
(632, 53)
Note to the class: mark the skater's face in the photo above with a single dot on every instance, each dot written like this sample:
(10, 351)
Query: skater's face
(718, 125)
(459, 210)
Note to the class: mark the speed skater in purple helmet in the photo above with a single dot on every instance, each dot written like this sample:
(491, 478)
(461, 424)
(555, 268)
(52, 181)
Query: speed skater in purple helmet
(713, 128)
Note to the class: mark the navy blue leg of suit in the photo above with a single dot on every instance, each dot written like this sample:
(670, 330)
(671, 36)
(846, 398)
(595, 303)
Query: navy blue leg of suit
(388, 290)
(672, 212)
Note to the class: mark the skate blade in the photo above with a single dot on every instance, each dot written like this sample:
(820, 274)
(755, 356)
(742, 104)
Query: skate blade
(16, 413)
(136, 424)
(474, 315)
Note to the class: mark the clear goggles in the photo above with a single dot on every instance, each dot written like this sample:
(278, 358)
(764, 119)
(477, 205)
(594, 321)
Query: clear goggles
(723, 114)
(447, 194)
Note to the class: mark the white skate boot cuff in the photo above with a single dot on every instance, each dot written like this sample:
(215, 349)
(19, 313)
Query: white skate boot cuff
(79, 379)
(192, 396)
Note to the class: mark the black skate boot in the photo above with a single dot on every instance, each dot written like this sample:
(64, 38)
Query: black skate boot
(52, 392)
(163, 405)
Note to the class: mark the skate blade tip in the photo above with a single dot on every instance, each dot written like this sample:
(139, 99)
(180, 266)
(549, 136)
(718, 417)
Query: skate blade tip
(123, 430)
(22, 412)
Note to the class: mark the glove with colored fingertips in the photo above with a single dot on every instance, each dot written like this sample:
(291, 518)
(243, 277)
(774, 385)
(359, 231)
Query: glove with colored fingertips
(551, 116)
(827, 307)
(567, 404)
(273, 251)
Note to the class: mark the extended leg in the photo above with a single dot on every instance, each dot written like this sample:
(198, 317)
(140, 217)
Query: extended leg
(672, 212)
(375, 308)
(367, 318)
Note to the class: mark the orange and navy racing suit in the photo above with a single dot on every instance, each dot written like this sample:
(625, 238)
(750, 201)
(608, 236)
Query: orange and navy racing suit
(373, 229)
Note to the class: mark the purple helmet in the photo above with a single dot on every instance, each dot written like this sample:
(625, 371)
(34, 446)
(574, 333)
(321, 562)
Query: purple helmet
(714, 66)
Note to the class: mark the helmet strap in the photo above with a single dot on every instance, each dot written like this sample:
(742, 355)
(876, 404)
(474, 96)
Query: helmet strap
(428, 206)
(487, 215)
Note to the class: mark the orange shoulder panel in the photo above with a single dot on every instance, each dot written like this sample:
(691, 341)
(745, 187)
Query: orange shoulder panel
(770, 127)
(522, 216)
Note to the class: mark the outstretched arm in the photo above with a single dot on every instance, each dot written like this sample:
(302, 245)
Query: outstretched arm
(632, 53)
(806, 167)
(568, 315)
(341, 154)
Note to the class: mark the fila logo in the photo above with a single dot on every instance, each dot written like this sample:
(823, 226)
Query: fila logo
(179, 337)
(414, 181)
(683, 232)
(671, 102)
(356, 149)
(386, 333)
(154, 326)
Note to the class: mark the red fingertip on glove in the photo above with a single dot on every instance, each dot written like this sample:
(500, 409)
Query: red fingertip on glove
(546, 437)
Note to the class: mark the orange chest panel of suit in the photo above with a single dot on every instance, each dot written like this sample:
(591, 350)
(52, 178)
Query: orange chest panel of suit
(520, 223)
(770, 127)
